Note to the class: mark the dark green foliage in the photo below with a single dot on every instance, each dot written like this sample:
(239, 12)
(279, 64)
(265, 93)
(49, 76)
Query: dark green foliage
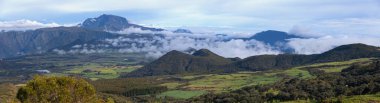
(264, 62)
(175, 62)
(347, 52)
(341, 53)
(129, 86)
(204, 61)
(356, 80)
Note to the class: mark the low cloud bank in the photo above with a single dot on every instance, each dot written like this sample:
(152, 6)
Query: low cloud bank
(325, 43)
(329, 34)
(24, 24)
(224, 45)
(157, 45)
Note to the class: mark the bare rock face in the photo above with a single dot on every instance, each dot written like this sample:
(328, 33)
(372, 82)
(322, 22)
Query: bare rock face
(107, 22)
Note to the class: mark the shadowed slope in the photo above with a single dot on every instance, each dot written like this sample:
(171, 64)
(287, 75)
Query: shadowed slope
(175, 62)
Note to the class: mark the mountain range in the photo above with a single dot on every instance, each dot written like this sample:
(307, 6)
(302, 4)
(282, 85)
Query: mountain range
(93, 33)
(17, 43)
(205, 61)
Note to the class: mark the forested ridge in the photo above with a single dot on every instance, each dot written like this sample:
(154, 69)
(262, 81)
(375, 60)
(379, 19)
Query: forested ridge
(176, 62)
(358, 79)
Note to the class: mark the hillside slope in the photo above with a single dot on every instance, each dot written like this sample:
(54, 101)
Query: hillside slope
(347, 52)
(340, 53)
(175, 62)
(204, 61)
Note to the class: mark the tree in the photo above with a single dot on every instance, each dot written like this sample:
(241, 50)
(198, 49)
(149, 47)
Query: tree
(43, 89)
(300, 75)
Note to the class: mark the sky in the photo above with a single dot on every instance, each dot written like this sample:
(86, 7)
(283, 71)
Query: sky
(303, 17)
(325, 23)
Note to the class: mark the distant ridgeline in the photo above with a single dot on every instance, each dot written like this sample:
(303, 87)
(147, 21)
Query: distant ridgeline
(205, 61)
(91, 31)
(95, 31)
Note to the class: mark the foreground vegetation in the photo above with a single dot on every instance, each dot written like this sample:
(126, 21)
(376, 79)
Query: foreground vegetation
(213, 83)
(43, 89)
(360, 79)
(57, 90)
(192, 87)
(368, 98)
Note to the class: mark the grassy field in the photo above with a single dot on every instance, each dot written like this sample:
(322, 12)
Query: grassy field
(180, 94)
(374, 98)
(94, 71)
(72, 64)
(336, 66)
(111, 66)
(227, 82)
(349, 62)
(195, 85)
(171, 85)
(297, 72)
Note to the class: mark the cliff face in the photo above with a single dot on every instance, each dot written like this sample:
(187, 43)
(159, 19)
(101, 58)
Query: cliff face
(14, 43)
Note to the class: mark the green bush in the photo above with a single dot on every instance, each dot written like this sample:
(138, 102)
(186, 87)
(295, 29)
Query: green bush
(43, 89)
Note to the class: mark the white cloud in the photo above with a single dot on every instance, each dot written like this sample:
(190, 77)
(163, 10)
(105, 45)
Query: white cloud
(335, 32)
(24, 25)
(325, 43)
(131, 30)
(232, 48)
(158, 46)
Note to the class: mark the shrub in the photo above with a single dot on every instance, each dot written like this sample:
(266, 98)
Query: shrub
(43, 89)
